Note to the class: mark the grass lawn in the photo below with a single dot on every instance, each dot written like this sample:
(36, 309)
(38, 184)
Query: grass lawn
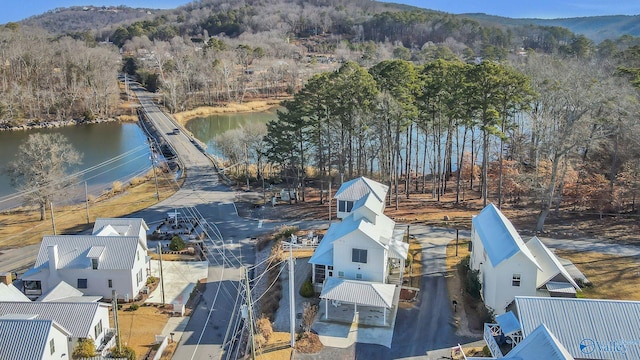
(139, 328)
(23, 227)
(613, 277)
(277, 337)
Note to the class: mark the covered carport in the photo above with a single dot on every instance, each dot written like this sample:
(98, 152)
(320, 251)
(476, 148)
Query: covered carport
(363, 293)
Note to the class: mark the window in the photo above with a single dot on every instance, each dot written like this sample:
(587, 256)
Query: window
(341, 274)
(345, 206)
(97, 330)
(359, 276)
(110, 283)
(94, 264)
(515, 281)
(139, 276)
(82, 283)
(52, 346)
(359, 255)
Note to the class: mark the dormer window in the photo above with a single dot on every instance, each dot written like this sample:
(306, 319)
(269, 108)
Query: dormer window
(345, 206)
(95, 253)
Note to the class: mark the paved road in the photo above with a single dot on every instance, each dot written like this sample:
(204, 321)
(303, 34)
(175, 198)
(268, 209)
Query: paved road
(204, 196)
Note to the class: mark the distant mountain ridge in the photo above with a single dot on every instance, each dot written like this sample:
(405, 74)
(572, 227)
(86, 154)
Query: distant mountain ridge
(596, 28)
(82, 18)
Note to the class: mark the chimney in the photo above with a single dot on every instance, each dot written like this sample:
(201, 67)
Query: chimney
(6, 278)
(53, 257)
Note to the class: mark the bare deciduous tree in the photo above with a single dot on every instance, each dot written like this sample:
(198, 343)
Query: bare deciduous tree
(40, 168)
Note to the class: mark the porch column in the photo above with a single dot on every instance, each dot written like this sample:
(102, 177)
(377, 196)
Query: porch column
(313, 274)
(384, 315)
(355, 308)
(326, 309)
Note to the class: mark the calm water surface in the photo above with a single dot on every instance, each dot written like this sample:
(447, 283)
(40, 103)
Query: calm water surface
(112, 152)
(205, 129)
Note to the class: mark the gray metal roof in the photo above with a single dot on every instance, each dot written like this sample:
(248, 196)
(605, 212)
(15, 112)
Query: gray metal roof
(540, 344)
(95, 252)
(60, 291)
(25, 339)
(560, 287)
(11, 293)
(74, 317)
(500, 239)
(358, 292)
(124, 226)
(588, 328)
(357, 188)
(73, 251)
(550, 265)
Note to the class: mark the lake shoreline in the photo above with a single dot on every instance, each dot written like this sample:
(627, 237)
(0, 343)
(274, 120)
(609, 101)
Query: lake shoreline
(229, 108)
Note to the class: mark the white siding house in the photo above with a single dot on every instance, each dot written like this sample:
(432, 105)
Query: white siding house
(121, 227)
(95, 265)
(508, 267)
(27, 338)
(353, 190)
(360, 259)
(79, 320)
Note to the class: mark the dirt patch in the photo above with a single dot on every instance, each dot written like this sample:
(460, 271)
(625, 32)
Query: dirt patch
(138, 328)
(309, 343)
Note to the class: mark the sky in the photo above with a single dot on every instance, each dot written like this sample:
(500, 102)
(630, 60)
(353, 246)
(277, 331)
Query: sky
(16, 10)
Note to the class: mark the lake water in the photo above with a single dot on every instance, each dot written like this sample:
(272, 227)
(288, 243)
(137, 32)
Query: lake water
(205, 129)
(111, 152)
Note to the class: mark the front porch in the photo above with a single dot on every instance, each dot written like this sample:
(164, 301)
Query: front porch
(503, 336)
(361, 302)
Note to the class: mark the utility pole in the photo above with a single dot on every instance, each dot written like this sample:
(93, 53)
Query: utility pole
(86, 200)
(161, 275)
(250, 314)
(114, 306)
(153, 163)
(292, 299)
(53, 220)
(329, 198)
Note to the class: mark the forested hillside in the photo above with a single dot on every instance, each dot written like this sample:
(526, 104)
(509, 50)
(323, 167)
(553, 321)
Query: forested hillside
(596, 28)
(529, 115)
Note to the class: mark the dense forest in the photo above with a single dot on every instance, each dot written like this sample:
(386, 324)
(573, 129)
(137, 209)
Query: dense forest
(529, 115)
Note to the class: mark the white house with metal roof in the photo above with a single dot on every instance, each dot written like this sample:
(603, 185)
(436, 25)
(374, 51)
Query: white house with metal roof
(121, 227)
(360, 259)
(508, 267)
(353, 190)
(95, 265)
(540, 344)
(25, 337)
(586, 328)
(79, 320)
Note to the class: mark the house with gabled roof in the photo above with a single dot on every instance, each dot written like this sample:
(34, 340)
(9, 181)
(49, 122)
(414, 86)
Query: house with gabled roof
(507, 267)
(360, 259)
(25, 337)
(540, 344)
(353, 190)
(95, 265)
(121, 227)
(586, 328)
(79, 320)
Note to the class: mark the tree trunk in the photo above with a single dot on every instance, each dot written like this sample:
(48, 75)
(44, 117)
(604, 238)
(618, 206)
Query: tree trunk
(549, 194)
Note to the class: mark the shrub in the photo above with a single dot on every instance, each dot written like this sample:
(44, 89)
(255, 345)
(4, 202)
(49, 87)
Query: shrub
(177, 243)
(134, 307)
(117, 187)
(307, 289)
(151, 280)
(124, 352)
(264, 327)
(85, 348)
